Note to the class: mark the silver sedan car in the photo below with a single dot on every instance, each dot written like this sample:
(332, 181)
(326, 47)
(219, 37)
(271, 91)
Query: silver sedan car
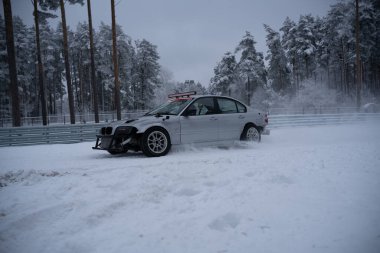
(184, 119)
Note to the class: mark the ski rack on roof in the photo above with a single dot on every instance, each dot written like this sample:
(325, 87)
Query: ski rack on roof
(182, 95)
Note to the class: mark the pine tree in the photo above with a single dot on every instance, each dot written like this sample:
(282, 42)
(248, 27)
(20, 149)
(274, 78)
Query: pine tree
(51, 60)
(54, 5)
(16, 115)
(5, 110)
(126, 60)
(39, 62)
(225, 75)
(146, 73)
(104, 65)
(92, 59)
(306, 46)
(115, 63)
(289, 43)
(369, 36)
(81, 78)
(322, 55)
(250, 68)
(25, 65)
(103, 61)
(278, 71)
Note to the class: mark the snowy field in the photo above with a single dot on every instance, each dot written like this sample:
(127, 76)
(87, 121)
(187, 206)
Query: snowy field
(301, 190)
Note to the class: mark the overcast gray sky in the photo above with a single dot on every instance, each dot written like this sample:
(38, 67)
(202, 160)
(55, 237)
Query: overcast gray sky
(191, 35)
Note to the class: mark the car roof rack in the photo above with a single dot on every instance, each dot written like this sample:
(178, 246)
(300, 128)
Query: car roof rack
(182, 94)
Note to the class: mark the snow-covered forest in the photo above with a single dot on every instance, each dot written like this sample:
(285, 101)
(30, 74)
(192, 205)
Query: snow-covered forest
(309, 62)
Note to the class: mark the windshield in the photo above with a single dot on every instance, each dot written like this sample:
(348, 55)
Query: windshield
(172, 107)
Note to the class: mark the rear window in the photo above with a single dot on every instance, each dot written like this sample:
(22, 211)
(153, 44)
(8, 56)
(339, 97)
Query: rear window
(230, 106)
(227, 105)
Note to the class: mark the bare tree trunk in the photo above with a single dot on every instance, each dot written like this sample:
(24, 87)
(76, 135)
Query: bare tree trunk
(40, 67)
(344, 85)
(67, 64)
(93, 76)
(115, 63)
(16, 115)
(358, 60)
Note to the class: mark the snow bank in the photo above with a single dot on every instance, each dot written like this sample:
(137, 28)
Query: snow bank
(311, 189)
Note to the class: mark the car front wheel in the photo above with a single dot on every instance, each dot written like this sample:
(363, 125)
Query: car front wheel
(155, 142)
(251, 133)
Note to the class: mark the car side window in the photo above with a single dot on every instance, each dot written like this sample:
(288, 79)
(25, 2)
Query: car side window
(227, 106)
(201, 106)
(241, 107)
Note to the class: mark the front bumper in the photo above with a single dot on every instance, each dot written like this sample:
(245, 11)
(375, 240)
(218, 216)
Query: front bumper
(103, 142)
(123, 139)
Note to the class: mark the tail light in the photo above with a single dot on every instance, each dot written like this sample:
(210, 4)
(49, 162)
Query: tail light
(266, 118)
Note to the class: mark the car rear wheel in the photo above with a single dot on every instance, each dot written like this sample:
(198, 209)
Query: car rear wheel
(155, 142)
(251, 133)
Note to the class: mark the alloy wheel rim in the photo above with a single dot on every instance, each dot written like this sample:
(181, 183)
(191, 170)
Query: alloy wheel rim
(157, 142)
(252, 134)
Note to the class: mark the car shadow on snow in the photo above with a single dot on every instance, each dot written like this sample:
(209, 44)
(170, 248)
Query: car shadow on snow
(187, 149)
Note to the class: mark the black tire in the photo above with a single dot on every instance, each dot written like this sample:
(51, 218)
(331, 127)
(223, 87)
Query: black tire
(155, 142)
(251, 133)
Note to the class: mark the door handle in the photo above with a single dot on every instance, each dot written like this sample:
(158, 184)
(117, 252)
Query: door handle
(241, 117)
(213, 118)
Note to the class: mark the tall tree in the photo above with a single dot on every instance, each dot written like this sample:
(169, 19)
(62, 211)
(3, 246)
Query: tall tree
(278, 72)
(26, 70)
(289, 43)
(250, 68)
(51, 52)
(54, 5)
(225, 75)
(81, 67)
(306, 46)
(67, 63)
(4, 74)
(115, 63)
(370, 45)
(16, 115)
(341, 19)
(93, 75)
(358, 56)
(146, 73)
(127, 65)
(40, 67)
(103, 60)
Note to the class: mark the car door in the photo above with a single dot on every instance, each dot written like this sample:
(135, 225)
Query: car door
(199, 122)
(231, 118)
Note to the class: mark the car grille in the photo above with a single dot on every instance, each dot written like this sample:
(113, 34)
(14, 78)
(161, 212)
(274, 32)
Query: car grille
(105, 143)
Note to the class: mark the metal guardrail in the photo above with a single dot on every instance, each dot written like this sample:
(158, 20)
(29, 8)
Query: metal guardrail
(65, 134)
(87, 118)
(20, 136)
(276, 121)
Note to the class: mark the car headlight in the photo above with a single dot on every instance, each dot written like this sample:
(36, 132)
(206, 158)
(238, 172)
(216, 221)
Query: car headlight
(106, 130)
(123, 130)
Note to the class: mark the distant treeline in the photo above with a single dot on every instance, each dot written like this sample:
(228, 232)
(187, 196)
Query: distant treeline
(315, 51)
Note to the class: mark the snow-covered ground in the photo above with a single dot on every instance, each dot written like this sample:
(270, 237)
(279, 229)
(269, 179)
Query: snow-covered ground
(313, 189)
